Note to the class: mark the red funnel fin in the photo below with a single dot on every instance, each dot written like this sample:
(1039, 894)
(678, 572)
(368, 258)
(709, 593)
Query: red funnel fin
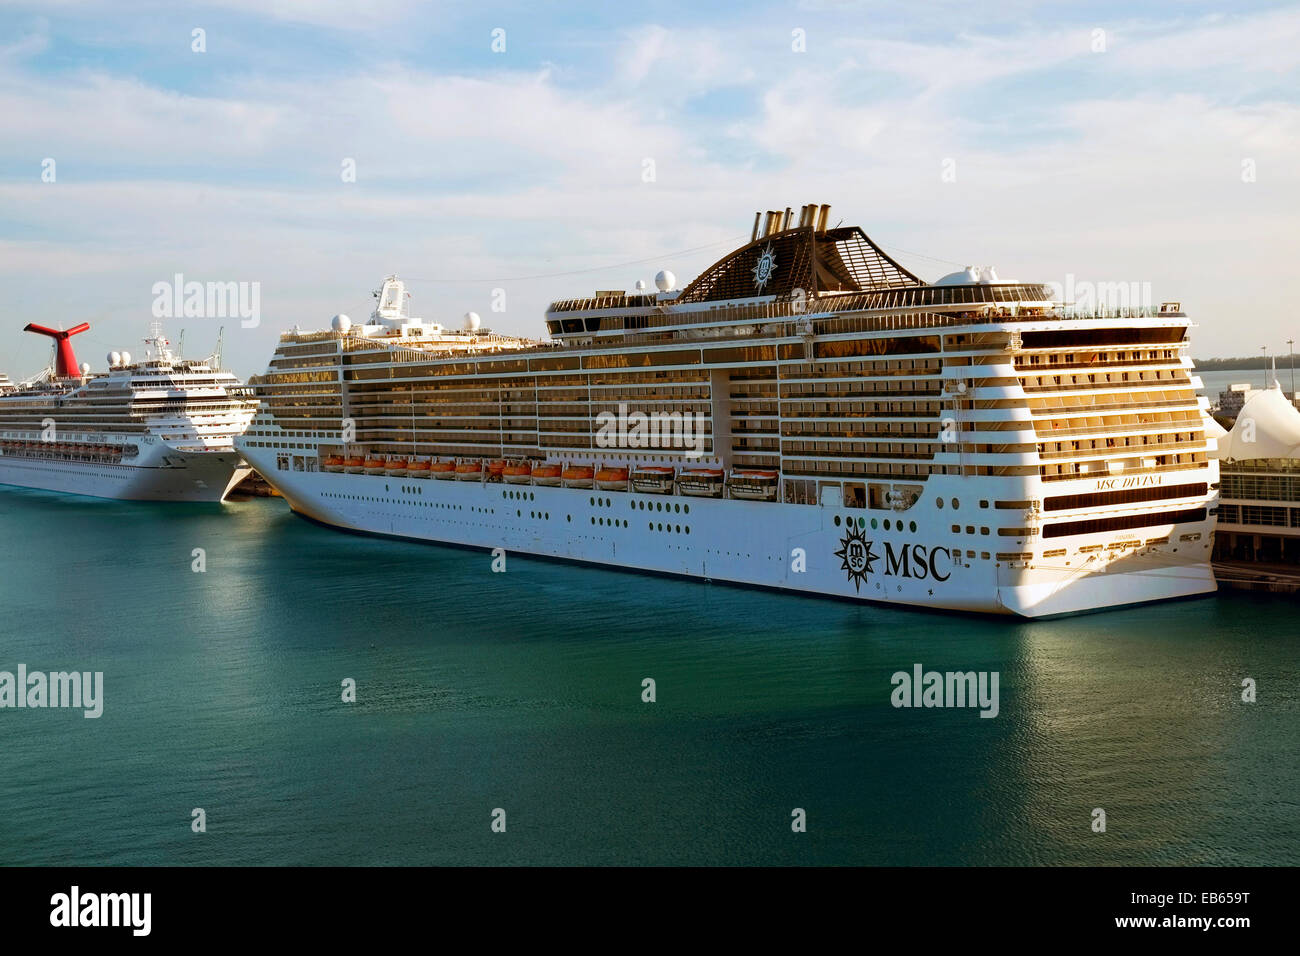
(65, 364)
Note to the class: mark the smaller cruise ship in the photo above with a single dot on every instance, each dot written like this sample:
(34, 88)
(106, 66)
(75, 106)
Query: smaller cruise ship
(158, 429)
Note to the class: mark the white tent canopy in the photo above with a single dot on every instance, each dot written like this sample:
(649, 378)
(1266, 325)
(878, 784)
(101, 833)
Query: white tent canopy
(1268, 426)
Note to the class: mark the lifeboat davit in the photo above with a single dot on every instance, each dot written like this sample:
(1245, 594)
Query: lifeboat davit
(701, 482)
(442, 469)
(517, 473)
(333, 463)
(376, 466)
(612, 479)
(753, 484)
(653, 479)
(354, 464)
(395, 466)
(577, 476)
(547, 474)
(469, 471)
(418, 468)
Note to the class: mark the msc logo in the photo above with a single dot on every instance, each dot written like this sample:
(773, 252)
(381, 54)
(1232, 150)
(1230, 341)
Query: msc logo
(913, 561)
(857, 556)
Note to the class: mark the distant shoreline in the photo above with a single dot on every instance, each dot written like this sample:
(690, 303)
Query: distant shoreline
(1242, 364)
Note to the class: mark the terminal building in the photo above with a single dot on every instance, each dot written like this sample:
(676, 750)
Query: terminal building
(1259, 473)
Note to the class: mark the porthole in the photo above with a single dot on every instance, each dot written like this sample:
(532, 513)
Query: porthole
(837, 521)
(873, 523)
(911, 526)
(956, 503)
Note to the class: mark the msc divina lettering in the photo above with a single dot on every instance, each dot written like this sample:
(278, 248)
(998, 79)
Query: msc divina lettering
(968, 444)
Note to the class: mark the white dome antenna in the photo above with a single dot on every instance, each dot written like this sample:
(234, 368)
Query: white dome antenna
(341, 323)
(665, 281)
(126, 358)
(472, 322)
(114, 359)
(640, 285)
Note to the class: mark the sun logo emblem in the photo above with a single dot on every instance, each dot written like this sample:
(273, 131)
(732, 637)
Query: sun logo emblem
(857, 557)
(764, 268)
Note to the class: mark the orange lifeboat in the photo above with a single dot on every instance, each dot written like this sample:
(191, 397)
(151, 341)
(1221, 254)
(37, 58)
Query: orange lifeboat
(753, 484)
(518, 473)
(701, 482)
(354, 464)
(653, 479)
(577, 476)
(395, 465)
(612, 479)
(418, 468)
(442, 469)
(495, 469)
(376, 465)
(469, 471)
(546, 474)
(333, 463)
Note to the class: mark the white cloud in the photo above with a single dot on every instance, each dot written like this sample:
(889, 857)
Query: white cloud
(516, 172)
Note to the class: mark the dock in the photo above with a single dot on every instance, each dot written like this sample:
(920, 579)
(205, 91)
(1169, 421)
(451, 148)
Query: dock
(1258, 576)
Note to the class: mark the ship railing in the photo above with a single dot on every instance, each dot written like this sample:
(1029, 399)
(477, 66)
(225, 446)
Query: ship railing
(839, 315)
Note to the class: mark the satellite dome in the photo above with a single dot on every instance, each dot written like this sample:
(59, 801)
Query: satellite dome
(85, 368)
(665, 280)
(965, 276)
(640, 285)
(340, 323)
(126, 358)
(472, 322)
(114, 359)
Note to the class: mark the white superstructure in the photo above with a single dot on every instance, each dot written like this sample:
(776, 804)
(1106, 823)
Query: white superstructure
(158, 429)
(805, 415)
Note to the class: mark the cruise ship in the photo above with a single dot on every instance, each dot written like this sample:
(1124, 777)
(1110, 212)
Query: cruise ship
(160, 429)
(805, 415)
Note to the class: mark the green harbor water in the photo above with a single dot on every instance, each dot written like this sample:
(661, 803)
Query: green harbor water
(523, 691)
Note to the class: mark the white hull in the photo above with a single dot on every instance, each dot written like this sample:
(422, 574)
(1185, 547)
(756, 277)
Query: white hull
(159, 473)
(759, 543)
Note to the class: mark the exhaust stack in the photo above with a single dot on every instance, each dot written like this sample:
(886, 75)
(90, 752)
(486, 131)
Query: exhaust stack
(65, 361)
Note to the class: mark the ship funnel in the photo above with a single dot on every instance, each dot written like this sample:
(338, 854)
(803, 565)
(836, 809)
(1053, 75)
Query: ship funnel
(65, 361)
(822, 217)
(754, 235)
(785, 223)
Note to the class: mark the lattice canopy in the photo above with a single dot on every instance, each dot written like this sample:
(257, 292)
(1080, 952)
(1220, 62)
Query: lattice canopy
(835, 260)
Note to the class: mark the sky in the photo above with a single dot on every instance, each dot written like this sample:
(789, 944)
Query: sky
(499, 156)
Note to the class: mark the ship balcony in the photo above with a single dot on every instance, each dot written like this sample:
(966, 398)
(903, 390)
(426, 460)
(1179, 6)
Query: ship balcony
(1123, 451)
(1122, 404)
(998, 458)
